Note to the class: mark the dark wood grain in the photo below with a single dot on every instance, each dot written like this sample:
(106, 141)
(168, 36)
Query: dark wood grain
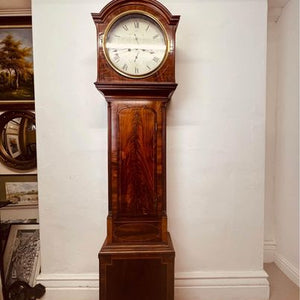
(15, 20)
(137, 272)
(137, 167)
(137, 161)
(162, 91)
(17, 105)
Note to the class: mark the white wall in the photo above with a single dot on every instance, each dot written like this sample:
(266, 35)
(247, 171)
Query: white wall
(218, 109)
(216, 146)
(271, 109)
(286, 193)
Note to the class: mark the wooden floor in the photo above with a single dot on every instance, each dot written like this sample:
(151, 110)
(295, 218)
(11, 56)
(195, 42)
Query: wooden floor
(281, 287)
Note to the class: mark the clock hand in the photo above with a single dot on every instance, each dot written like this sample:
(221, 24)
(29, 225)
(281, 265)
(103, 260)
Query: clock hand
(117, 49)
(137, 55)
(148, 50)
(136, 38)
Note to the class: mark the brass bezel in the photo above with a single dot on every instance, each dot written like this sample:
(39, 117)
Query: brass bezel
(136, 12)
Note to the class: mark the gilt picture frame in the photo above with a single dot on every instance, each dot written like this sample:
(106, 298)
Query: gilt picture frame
(22, 193)
(13, 145)
(16, 63)
(20, 190)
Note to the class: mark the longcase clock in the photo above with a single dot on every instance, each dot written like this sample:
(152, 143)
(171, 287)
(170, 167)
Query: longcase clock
(136, 75)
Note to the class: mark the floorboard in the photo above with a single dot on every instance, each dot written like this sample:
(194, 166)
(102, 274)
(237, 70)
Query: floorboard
(281, 287)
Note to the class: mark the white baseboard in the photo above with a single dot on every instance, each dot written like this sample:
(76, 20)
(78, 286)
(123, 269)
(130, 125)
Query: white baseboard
(68, 281)
(71, 294)
(251, 285)
(269, 251)
(70, 286)
(287, 268)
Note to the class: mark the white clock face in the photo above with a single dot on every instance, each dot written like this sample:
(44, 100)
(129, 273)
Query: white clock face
(135, 45)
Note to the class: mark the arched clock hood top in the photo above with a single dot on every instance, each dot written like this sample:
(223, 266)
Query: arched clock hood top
(156, 8)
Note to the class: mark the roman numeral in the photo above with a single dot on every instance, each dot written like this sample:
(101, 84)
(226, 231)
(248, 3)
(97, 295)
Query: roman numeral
(148, 27)
(136, 24)
(116, 57)
(125, 67)
(156, 59)
(156, 36)
(137, 70)
(125, 27)
(148, 67)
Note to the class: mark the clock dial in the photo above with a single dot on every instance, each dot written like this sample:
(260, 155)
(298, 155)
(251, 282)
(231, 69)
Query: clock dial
(135, 45)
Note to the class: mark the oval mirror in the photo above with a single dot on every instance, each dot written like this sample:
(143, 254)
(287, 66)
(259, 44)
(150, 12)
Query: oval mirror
(18, 140)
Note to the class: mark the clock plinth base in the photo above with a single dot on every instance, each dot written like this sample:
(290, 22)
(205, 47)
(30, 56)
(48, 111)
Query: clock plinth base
(137, 271)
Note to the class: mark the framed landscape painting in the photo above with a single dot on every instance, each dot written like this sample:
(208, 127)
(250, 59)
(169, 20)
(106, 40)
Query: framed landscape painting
(19, 190)
(16, 63)
(22, 193)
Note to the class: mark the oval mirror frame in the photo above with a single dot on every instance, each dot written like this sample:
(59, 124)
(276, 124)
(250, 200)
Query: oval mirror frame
(5, 157)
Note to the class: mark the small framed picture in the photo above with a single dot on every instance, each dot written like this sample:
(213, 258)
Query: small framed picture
(13, 126)
(16, 70)
(13, 145)
(19, 190)
(21, 259)
(22, 193)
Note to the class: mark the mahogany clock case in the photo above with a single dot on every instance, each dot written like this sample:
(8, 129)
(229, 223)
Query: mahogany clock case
(137, 272)
(137, 257)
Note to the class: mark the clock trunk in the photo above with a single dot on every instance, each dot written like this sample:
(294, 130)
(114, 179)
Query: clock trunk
(137, 184)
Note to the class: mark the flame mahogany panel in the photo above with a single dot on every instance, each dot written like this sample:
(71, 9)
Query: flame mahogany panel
(137, 170)
(137, 161)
